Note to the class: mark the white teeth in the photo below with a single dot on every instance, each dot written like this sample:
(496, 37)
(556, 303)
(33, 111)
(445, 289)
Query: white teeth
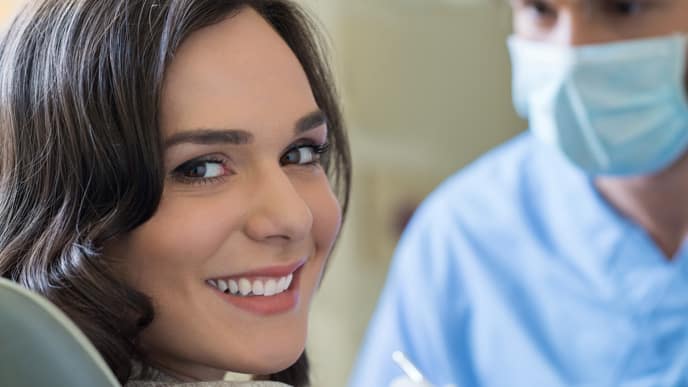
(282, 284)
(245, 286)
(233, 286)
(270, 288)
(257, 287)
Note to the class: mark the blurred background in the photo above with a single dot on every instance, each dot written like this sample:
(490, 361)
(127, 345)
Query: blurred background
(425, 87)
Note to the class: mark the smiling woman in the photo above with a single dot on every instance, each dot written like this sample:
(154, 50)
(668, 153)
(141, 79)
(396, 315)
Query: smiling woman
(174, 178)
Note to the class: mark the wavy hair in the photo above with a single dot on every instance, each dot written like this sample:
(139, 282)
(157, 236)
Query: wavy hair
(80, 147)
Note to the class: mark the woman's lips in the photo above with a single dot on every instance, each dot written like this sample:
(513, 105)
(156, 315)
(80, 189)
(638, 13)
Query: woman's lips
(266, 291)
(272, 271)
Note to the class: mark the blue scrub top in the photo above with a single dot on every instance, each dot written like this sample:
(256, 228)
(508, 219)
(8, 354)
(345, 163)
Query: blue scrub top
(515, 272)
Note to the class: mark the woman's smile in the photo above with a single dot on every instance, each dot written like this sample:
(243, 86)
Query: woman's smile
(264, 291)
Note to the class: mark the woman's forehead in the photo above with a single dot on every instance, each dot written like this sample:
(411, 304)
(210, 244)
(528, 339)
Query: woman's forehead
(238, 73)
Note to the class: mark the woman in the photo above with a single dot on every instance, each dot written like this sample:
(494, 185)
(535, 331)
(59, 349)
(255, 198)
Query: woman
(165, 170)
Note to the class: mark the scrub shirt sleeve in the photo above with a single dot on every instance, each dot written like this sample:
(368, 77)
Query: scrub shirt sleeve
(422, 310)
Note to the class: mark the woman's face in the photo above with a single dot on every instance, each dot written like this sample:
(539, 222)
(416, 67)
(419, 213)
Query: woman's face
(236, 249)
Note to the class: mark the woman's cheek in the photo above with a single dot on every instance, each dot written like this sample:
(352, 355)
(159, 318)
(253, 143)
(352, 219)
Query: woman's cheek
(327, 216)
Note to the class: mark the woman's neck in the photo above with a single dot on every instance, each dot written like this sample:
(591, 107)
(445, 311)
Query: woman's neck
(187, 374)
(658, 203)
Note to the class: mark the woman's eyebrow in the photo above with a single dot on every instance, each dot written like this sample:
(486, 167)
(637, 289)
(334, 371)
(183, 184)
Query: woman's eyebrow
(210, 136)
(310, 121)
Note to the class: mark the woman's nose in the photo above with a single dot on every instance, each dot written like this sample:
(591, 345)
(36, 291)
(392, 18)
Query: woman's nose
(278, 211)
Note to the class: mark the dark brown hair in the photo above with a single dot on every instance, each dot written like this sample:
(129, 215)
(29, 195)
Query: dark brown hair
(80, 147)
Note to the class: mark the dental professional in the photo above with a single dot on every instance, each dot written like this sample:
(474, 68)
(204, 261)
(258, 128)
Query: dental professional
(559, 258)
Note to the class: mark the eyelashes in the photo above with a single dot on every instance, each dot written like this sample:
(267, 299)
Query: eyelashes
(304, 154)
(215, 168)
(202, 170)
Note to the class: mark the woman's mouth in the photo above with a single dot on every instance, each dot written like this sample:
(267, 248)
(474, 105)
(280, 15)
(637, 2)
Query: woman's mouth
(266, 291)
(253, 287)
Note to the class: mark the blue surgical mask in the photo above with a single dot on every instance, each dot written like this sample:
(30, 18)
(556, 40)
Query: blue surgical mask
(612, 109)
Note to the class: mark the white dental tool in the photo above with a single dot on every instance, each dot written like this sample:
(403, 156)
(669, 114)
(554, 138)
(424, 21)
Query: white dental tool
(409, 369)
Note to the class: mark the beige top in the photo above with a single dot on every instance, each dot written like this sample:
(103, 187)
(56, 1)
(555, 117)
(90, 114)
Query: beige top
(158, 383)
(161, 379)
(221, 383)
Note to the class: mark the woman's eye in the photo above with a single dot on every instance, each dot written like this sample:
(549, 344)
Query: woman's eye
(199, 170)
(304, 154)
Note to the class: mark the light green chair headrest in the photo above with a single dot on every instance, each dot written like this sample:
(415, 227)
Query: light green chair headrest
(40, 346)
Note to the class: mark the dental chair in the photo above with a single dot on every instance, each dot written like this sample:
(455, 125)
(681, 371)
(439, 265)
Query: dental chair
(40, 346)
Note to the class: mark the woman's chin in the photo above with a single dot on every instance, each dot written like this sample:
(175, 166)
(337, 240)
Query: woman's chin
(273, 362)
(274, 353)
